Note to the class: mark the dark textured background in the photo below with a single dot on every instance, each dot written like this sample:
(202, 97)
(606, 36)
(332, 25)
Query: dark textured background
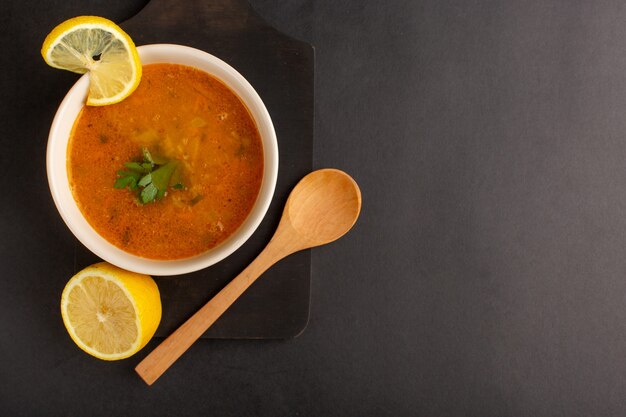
(486, 276)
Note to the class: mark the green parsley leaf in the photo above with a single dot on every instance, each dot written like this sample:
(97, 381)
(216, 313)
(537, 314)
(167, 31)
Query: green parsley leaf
(124, 182)
(137, 167)
(145, 180)
(148, 194)
(154, 176)
(161, 176)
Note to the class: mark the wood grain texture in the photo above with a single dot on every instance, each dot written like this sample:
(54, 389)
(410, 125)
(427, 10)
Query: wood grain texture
(281, 71)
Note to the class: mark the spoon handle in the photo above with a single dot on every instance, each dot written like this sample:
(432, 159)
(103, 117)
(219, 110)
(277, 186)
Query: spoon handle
(164, 355)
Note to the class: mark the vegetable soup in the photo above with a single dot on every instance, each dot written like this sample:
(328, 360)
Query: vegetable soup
(171, 171)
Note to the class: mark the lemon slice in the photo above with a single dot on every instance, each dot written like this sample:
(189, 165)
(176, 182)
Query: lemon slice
(96, 45)
(110, 313)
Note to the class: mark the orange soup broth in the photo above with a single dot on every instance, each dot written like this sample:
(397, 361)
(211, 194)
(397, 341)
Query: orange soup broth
(179, 113)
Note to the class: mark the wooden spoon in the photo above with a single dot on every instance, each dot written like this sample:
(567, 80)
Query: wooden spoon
(322, 207)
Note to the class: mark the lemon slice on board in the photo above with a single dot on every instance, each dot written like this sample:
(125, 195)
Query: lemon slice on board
(96, 45)
(110, 313)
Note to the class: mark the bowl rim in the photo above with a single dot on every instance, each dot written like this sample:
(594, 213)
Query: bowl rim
(86, 234)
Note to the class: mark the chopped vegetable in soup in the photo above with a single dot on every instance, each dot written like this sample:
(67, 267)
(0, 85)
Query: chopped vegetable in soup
(202, 177)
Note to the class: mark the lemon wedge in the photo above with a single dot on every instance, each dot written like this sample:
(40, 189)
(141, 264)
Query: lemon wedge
(96, 45)
(110, 313)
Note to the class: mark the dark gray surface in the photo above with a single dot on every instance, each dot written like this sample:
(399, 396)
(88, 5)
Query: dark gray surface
(486, 275)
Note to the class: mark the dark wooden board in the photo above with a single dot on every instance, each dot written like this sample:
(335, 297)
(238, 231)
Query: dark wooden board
(281, 70)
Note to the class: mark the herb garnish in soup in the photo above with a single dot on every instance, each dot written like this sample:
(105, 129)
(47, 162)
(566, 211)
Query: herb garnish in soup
(172, 170)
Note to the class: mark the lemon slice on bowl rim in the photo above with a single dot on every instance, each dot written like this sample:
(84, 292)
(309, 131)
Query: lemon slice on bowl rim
(96, 45)
(110, 313)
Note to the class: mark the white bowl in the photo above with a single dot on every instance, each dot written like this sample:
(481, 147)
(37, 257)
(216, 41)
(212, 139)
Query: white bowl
(71, 214)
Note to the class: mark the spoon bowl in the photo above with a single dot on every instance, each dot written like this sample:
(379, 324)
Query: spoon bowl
(324, 206)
